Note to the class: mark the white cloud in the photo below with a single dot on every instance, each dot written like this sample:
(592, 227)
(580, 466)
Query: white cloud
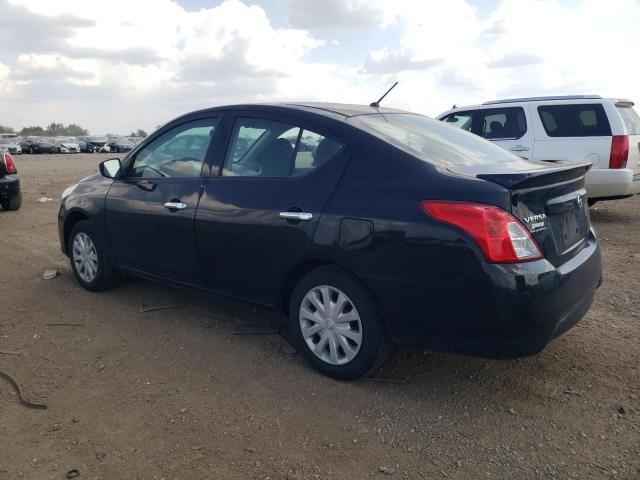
(137, 64)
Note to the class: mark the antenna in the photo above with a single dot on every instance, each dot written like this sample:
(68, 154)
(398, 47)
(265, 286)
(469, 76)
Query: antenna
(377, 104)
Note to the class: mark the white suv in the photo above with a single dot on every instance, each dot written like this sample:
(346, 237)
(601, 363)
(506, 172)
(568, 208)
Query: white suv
(603, 131)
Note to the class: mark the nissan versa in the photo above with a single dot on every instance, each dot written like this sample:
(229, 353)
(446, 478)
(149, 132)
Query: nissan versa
(370, 227)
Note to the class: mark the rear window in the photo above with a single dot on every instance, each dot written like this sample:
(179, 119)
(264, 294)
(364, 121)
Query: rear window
(630, 119)
(436, 142)
(578, 120)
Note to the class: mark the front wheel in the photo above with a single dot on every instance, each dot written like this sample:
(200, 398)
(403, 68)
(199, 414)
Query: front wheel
(13, 202)
(89, 260)
(336, 324)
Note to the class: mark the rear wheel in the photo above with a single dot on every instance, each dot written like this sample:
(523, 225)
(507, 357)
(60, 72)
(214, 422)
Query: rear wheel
(89, 260)
(336, 324)
(12, 202)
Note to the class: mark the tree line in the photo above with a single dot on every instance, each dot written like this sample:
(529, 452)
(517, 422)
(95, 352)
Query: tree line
(58, 130)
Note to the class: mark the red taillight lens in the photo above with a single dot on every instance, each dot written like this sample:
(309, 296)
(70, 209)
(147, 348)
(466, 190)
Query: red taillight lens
(9, 165)
(500, 236)
(619, 151)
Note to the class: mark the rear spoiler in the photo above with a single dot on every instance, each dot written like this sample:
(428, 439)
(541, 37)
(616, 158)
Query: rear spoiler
(621, 102)
(537, 178)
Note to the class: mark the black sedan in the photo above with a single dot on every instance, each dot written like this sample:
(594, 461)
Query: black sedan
(10, 194)
(38, 145)
(369, 227)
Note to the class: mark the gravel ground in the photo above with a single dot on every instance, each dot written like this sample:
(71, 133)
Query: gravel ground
(174, 394)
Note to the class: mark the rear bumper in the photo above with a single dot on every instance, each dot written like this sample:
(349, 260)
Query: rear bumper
(604, 182)
(507, 311)
(9, 184)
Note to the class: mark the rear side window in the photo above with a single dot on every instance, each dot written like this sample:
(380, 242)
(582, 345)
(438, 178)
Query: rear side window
(459, 119)
(578, 120)
(269, 148)
(630, 119)
(502, 123)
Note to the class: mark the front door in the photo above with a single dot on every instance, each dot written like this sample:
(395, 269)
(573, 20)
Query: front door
(150, 211)
(258, 216)
(506, 127)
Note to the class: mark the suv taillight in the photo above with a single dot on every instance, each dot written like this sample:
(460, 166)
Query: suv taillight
(9, 165)
(619, 151)
(500, 236)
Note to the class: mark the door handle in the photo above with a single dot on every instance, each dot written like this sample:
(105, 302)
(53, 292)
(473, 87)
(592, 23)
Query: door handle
(519, 148)
(300, 216)
(175, 205)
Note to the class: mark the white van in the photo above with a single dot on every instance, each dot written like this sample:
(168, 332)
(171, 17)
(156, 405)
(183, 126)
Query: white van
(603, 131)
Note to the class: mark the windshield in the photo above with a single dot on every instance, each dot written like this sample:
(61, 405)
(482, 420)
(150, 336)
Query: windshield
(438, 142)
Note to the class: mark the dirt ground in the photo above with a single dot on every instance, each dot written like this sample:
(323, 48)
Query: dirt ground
(174, 394)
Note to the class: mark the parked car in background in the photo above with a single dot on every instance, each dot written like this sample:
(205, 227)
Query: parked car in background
(90, 144)
(10, 194)
(369, 226)
(38, 145)
(574, 128)
(119, 144)
(11, 145)
(67, 144)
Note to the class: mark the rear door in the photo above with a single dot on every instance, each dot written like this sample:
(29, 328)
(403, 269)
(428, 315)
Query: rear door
(507, 127)
(150, 212)
(260, 208)
(575, 132)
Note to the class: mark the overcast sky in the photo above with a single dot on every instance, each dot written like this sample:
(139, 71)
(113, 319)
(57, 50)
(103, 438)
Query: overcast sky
(126, 64)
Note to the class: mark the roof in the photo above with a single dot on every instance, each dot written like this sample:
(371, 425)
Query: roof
(343, 109)
(544, 98)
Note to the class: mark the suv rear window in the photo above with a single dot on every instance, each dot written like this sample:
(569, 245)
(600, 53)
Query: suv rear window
(434, 141)
(578, 120)
(630, 119)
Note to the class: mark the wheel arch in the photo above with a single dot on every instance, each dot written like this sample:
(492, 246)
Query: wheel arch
(301, 269)
(72, 219)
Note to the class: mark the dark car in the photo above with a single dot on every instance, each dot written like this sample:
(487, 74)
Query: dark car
(368, 227)
(10, 194)
(119, 144)
(93, 144)
(38, 145)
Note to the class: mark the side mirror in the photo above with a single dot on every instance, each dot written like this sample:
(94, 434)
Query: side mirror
(110, 168)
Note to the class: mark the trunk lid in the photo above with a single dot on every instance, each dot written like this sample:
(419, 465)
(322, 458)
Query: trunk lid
(551, 202)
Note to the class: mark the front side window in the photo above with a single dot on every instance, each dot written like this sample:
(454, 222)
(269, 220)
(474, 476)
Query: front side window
(269, 148)
(578, 120)
(502, 123)
(178, 153)
(460, 119)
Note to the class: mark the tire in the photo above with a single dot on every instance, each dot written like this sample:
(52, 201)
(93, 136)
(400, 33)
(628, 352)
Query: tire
(104, 276)
(13, 202)
(331, 282)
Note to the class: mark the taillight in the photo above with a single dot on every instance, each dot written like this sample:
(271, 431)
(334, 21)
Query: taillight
(9, 165)
(619, 151)
(500, 236)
